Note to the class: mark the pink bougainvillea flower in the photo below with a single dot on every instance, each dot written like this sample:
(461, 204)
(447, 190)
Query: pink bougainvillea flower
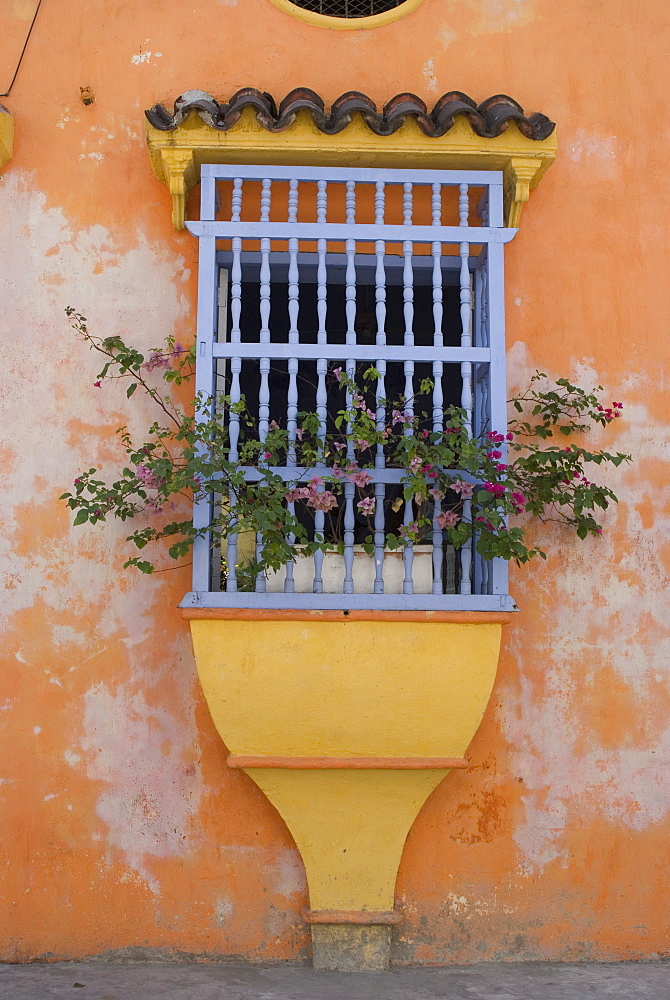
(366, 505)
(463, 489)
(299, 433)
(155, 505)
(298, 493)
(360, 478)
(497, 489)
(340, 445)
(157, 360)
(448, 519)
(322, 501)
(267, 454)
(274, 426)
(97, 384)
(337, 372)
(148, 478)
(437, 494)
(494, 454)
(415, 464)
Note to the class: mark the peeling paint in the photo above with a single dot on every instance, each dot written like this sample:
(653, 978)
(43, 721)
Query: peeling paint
(149, 804)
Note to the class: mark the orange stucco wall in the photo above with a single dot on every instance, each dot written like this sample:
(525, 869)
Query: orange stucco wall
(121, 825)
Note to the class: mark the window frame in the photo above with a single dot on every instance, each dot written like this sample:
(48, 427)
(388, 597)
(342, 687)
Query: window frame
(488, 286)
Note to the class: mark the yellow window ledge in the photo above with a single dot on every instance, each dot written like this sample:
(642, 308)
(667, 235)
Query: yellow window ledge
(176, 155)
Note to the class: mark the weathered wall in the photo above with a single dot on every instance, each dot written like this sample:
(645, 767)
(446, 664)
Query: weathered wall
(122, 826)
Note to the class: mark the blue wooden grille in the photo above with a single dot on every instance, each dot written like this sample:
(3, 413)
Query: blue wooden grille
(413, 241)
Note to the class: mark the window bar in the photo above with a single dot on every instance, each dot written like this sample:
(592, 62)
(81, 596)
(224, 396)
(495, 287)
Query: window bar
(438, 369)
(264, 391)
(484, 303)
(466, 370)
(380, 460)
(235, 369)
(220, 390)
(498, 571)
(480, 565)
(321, 367)
(293, 338)
(408, 312)
(350, 309)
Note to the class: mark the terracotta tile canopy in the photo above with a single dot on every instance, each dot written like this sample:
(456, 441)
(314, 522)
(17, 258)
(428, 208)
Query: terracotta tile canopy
(488, 119)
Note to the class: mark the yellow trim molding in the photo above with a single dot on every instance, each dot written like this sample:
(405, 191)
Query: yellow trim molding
(176, 155)
(346, 23)
(6, 135)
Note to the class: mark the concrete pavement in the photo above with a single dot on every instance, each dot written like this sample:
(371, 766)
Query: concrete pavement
(228, 981)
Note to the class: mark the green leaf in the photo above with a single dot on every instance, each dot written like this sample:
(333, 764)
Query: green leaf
(131, 389)
(81, 517)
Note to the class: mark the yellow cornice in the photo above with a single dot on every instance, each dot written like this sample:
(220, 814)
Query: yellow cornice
(176, 155)
(6, 136)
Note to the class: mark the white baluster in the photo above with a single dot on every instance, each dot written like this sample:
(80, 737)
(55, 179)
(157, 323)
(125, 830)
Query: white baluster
(264, 390)
(380, 460)
(321, 366)
(293, 338)
(350, 309)
(235, 369)
(438, 367)
(408, 312)
(466, 370)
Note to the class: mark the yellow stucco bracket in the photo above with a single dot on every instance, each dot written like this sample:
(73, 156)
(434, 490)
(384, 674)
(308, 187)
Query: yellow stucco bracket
(176, 155)
(178, 170)
(520, 177)
(6, 135)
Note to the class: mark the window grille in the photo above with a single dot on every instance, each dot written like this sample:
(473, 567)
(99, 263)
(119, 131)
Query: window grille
(305, 268)
(348, 8)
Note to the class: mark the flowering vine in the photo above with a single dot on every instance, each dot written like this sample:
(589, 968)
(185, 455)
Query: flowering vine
(452, 482)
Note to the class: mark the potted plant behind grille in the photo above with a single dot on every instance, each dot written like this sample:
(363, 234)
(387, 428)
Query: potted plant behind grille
(346, 721)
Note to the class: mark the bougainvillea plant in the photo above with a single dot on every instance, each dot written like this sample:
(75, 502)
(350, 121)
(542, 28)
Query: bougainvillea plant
(463, 485)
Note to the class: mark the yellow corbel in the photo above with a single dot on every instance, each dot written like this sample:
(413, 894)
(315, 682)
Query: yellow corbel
(6, 135)
(180, 175)
(520, 177)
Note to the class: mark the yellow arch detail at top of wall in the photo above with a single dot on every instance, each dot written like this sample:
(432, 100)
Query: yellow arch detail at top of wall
(176, 155)
(347, 23)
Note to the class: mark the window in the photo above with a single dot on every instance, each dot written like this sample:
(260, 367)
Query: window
(304, 269)
(348, 8)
